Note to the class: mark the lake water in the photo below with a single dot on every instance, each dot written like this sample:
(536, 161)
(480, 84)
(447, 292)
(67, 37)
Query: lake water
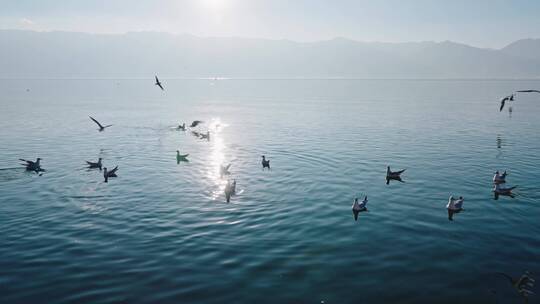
(161, 232)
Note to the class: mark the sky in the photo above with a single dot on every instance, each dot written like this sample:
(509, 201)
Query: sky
(482, 23)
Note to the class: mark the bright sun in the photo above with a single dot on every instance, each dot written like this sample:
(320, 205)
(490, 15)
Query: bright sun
(215, 5)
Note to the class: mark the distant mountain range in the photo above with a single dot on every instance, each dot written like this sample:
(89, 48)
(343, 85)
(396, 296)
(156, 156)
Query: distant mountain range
(28, 54)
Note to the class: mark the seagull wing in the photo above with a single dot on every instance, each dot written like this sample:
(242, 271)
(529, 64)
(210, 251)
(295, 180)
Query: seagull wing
(399, 172)
(528, 91)
(159, 85)
(502, 105)
(107, 126)
(113, 171)
(157, 80)
(97, 122)
(27, 161)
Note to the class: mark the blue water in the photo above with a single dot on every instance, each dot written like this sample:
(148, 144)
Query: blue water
(161, 232)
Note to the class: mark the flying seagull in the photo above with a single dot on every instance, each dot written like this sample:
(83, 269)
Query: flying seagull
(101, 128)
(504, 100)
(528, 91)
(107, 174)
(196, 123)
(93, 165)
(158, 83)
(31, 165)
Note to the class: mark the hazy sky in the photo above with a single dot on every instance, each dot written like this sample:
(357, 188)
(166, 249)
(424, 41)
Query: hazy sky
(484, 23)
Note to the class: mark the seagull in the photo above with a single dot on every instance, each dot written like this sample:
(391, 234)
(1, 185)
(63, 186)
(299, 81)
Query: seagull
(181, 127)
(205, 136)
(181, 157)
(454, 206)
(528, 91)
(503, 191)
(359, 207)
(31, 165)
(499, 178)
(393, 175)
(196, 123)
(107, 174)
(503, 101)
(265, 162)
(101, 128)
(158, 83)
(224, 170)
(233, 187)
(521, 284)
(228, 191)
(94, 165)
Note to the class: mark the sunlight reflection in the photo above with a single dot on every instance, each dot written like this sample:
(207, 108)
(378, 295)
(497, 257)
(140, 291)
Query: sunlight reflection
(217, 157)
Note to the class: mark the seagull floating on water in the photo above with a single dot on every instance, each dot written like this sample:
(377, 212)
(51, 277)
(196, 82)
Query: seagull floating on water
(205, 136)
(196, 123)
(101, 128)
(265, 163)
(181, 127)
(93, 165)
(107, 174)
(393, 175)
(499, 178)
(32, 165)
(228, 191)
(521, 284)
(454, 206)
(158, 83)
(358, 207)
(181, 157)
(498, 190)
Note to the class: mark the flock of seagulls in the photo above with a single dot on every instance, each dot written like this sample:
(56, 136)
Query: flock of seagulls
(511, 97)
(453, 206)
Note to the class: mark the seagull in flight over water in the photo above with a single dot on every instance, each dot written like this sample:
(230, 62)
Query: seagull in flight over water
(158, 83)
(101, 128)
(528, 91)
(503, 101)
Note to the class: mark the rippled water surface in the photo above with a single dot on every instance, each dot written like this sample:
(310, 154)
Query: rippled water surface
(161, 232)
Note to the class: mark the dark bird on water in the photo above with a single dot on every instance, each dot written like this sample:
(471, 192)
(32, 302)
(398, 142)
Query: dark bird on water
(93, 165)
(393, 175)
(158, 83)
(181, 127)
(196, 123)
(265, 163)
(31, 165)
(101, 127)
(107, 174)
(504, 100)
(205, 136)
(181, 157)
